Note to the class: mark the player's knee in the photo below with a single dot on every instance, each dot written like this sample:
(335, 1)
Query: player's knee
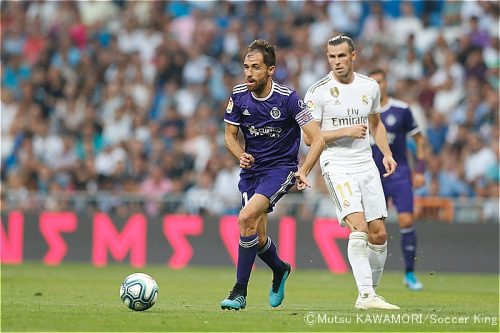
(405, 220)
(247, 222)
(379, 237)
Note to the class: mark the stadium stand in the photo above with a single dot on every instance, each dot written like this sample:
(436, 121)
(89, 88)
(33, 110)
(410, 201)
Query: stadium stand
(106, 102)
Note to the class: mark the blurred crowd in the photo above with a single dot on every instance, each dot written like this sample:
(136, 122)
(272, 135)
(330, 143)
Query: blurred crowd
(118, 98)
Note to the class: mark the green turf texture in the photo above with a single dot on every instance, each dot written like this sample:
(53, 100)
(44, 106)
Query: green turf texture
(79, 297)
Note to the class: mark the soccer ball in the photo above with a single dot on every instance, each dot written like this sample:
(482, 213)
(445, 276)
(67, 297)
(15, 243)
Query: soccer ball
(139, 291)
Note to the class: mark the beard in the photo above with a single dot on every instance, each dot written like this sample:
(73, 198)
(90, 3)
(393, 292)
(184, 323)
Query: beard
(258, 86)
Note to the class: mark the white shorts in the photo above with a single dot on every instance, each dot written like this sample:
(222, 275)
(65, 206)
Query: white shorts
(357, 192)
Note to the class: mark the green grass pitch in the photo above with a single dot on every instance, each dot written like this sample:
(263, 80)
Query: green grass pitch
(79, 297)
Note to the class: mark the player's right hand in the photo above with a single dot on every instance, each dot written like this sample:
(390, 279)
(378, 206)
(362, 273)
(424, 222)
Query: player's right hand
(302, 182)
(358, 131)
(246, 161)
(389, 164)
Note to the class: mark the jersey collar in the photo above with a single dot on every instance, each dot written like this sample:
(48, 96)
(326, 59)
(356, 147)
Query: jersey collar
(332, 76)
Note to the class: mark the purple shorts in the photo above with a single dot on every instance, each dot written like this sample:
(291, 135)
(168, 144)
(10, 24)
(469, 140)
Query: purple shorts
(401, 192)
(273, 184)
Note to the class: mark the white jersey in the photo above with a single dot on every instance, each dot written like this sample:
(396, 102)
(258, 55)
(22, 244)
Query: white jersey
(336, 105)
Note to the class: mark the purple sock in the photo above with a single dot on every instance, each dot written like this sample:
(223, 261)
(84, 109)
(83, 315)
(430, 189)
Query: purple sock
(269, 255)
(247, 251)
(409, 247)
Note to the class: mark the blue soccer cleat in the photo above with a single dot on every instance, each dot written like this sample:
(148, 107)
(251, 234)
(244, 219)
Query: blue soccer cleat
(411, 281)
(236, 299)
(277, 292)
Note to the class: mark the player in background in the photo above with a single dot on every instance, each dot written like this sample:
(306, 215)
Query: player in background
(347, 105)
(398, 120)
(270, 116)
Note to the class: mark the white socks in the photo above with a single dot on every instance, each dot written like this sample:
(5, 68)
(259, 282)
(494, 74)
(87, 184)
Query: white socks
(357, 252)
(377, 254)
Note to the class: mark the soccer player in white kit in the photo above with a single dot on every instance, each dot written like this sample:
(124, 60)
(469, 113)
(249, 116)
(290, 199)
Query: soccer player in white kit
(347, 105)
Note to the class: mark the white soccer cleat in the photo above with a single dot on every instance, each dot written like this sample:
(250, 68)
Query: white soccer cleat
(367, 301)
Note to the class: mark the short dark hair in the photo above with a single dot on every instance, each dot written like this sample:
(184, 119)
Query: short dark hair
(339, 39)
(266, 48)
(377, 71)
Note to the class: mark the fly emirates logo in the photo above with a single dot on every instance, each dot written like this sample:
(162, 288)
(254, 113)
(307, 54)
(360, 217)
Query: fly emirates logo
(352, 118)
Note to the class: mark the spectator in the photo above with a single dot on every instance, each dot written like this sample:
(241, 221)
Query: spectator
(93, 92)
(407, 23)
(441, 183)
(344, 16)
(436, 132)
(478, 157)
(15, 72)
(154, 187)
(226, 186)
(409, 68)
(492, 172)
(107, 160)
(447, 83)
(478, 37)
(377, 24)
(200, 197)
(9, 114)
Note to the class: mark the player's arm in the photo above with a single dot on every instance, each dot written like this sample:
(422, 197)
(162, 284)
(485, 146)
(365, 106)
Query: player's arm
(356, 131)
(421, 142)
(233, 146)
(412, 128)
(317, 143)
(379, 134)
(421, 146)
(314, 103)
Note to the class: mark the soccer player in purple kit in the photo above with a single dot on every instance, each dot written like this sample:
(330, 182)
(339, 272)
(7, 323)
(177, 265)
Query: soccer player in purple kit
(271, 117)
(399, 122)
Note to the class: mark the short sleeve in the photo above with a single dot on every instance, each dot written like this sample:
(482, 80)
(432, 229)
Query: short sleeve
(376, 101)
(313, 104)
(233, 112)
(299, 110)
(410, 124)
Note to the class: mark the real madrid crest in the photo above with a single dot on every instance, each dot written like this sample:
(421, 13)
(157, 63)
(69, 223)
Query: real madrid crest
(364, 99)
(310, 105)
(334, 92)
(275, 113)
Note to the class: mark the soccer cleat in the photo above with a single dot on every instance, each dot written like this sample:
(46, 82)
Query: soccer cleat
(411, 281)
(277, 292)
(367, 301)
(236, 299)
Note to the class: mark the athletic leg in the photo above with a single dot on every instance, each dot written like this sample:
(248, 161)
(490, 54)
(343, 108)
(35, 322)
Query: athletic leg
(409, 249)
(377, 249)
(247, 250)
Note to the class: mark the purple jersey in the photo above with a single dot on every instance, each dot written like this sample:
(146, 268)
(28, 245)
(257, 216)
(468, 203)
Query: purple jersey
(399, 122)
(270, 125)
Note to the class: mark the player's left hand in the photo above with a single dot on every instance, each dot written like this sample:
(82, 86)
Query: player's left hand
(390, 165)
(301, 180)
